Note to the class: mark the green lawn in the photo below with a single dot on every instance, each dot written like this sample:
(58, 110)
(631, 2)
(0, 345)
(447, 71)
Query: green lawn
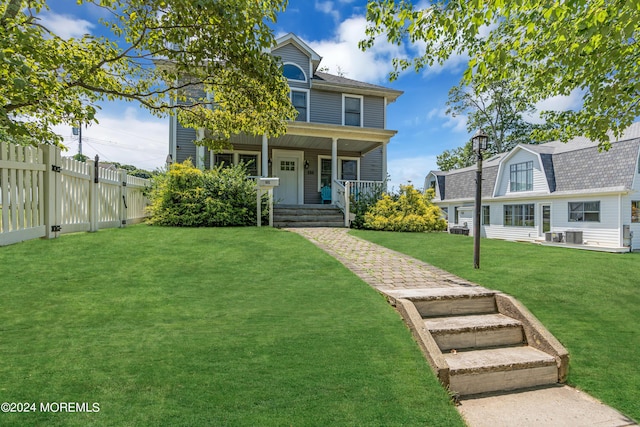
(590, 301)
(219, 327)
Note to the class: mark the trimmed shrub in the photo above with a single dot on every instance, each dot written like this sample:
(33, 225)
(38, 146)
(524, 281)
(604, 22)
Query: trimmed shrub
(411, 210)
(185, 196)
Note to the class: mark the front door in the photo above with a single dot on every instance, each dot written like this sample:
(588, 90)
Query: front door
(286, 166)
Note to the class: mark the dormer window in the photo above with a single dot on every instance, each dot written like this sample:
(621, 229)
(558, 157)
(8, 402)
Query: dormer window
(293, 72)
(521, 176)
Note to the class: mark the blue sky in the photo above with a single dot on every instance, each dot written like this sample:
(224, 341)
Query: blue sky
(128, 134)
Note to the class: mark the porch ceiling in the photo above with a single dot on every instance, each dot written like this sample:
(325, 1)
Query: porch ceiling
(319, 137)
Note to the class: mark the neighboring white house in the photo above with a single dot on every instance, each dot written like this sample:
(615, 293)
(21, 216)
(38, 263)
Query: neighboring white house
(592, 198)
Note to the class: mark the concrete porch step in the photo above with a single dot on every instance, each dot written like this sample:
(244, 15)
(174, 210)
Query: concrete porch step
(474, 331)
(285, 216)
(301, 224)
(499, 369)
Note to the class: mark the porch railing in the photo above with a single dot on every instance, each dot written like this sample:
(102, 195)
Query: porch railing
(360, 189)
(343, 189)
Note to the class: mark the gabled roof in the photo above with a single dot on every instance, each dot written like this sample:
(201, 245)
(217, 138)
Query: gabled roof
(300, 44)
(576, 166)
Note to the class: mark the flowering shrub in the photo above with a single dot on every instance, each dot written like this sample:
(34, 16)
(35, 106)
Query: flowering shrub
(409, 211)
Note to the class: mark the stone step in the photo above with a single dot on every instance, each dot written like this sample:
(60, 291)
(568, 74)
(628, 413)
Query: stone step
(475, 331)
(499, 369)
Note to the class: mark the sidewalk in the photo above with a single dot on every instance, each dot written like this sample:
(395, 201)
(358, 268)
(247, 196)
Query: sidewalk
(387, 270)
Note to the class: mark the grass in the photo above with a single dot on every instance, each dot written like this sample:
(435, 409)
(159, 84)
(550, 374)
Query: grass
(589, 300)
(233, 327)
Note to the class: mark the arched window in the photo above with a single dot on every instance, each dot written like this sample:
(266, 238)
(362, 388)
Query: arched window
(293, 72)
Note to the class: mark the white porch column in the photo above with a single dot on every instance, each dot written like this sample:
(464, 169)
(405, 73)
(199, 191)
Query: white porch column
(200, 149)
(265, 156)
(334, 168)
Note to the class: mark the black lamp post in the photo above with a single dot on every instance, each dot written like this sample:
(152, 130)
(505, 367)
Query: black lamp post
(479, 140)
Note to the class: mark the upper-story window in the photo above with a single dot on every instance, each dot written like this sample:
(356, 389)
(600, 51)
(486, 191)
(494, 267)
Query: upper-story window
(352, 110)
(299, 99)
(293, 72)
(522, 176)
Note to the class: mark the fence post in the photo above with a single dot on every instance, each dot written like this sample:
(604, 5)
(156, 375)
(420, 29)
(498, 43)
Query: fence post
(52, 183)
(94, 206)
(123, 197)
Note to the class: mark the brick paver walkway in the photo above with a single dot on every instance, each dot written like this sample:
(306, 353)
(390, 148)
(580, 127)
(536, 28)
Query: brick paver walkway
(382, 268)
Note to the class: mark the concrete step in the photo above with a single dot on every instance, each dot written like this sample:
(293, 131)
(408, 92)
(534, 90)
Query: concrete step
(285, 216)
(301, 224)
(475, 331)
(307, 217)
(499, 369)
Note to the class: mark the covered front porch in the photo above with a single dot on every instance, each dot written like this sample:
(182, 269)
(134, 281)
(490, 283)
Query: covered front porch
(316, 161)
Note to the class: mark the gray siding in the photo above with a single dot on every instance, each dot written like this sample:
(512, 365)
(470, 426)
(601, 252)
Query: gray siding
(373, 112)
(185, 148)
(326, 107)
(371, 166)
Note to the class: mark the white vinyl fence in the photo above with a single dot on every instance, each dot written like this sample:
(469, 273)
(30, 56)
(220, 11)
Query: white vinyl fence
(45, 195)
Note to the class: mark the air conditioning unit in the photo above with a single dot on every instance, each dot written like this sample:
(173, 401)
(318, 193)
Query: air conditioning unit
(574, 237)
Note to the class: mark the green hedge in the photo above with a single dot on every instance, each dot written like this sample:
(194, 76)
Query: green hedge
(186, 196)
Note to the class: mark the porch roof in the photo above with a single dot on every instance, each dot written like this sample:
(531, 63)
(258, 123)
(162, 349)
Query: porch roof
(319, 136)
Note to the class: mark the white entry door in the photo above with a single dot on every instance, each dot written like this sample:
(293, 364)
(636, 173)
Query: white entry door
(286, 166)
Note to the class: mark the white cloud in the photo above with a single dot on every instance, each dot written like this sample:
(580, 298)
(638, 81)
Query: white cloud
(573, 101)
(328, 8)
(65, 26)
(341, 52)
(409, 170)
(457, 124)
(133, 138)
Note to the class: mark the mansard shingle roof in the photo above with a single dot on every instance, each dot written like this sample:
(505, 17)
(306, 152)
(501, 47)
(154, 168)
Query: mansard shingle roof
(569, 167)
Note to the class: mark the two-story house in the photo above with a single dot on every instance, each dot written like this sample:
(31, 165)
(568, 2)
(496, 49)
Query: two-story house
(339, 134)
(567, 192)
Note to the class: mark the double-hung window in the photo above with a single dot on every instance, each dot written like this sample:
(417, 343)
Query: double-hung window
(299, 101)
(352, 111)
(486, 215)
(521, 176)
(519, 215)
(584, 211)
